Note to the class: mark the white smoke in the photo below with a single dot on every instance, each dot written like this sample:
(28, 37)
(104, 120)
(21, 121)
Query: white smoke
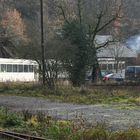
(134, 43)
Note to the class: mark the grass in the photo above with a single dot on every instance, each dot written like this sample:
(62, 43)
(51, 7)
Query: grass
(45, 126)
(68, 94)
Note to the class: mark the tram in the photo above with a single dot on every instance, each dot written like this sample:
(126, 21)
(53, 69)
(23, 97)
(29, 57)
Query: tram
(132, 73)
(14, 70)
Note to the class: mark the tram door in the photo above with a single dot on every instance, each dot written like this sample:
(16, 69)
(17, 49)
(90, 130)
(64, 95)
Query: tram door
(36, 72)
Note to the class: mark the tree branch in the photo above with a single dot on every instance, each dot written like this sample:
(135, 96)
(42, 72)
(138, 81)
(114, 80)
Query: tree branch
(94, 32)
(79, 11)
(110, 21)
(63, 13)
(103, 45)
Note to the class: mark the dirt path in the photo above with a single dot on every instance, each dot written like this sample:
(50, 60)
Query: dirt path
(114, 118)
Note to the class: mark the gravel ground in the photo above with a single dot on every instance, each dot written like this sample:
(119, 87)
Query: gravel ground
(114, 118)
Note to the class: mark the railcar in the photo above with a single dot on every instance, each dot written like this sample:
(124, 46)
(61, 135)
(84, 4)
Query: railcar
(14, 70)
(132, 73)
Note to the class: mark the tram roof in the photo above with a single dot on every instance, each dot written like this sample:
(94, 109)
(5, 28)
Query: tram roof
(17, 61)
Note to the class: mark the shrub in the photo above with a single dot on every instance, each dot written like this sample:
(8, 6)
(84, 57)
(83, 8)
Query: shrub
(60, 130)
(33, 122)
(136, 101)
(9, 119)
(126, 135)
(26, 115)
(96, 134)
(12, 120)
(63, 130)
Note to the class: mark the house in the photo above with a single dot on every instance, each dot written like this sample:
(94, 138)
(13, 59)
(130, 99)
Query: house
(115, 56)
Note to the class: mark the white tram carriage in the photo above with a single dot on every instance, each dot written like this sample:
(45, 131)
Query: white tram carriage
(14, 70)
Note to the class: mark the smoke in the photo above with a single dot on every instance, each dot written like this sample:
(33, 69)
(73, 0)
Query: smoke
(134, 43)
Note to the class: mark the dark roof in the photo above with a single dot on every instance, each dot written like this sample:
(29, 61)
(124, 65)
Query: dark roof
(116, 50)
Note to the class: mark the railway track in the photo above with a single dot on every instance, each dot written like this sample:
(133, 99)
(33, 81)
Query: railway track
(7, 135)
(114, 86)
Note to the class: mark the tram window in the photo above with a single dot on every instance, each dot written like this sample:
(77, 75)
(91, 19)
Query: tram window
(30, 68)
(15, 68)
(130, 69)
(35, 68)
(3, 67)
(9, 68)
(138, 70)
(20, 68)
(25, 68)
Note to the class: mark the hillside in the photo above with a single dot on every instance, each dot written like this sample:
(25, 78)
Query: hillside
(30, 11)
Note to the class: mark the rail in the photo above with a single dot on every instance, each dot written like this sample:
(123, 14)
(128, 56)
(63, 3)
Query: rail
(18, 136)
(109, 86)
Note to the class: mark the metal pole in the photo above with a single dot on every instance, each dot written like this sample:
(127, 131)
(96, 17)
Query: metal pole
(42, 43)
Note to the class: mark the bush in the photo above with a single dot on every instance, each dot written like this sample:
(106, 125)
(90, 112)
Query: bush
(9, 119)
(126, 135)
(96, 134)
(63, 130)
(26, 115)
(33, 122)
(136, 101)
(12, 120)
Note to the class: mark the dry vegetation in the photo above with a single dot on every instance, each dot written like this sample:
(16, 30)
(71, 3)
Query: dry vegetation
(45, 126)
(76, 95)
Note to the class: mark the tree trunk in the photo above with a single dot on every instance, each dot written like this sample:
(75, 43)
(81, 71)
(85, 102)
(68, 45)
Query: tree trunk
(96, 72)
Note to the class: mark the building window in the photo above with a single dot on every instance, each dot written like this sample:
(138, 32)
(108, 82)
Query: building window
(9, 68)
(110, 66)
(104, 67)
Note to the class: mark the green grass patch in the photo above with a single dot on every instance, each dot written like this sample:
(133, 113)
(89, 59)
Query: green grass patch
(74, 95)
(44, 126)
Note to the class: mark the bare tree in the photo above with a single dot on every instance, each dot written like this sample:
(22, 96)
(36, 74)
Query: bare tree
(12, 31)
(117, 51)
(96, 17)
